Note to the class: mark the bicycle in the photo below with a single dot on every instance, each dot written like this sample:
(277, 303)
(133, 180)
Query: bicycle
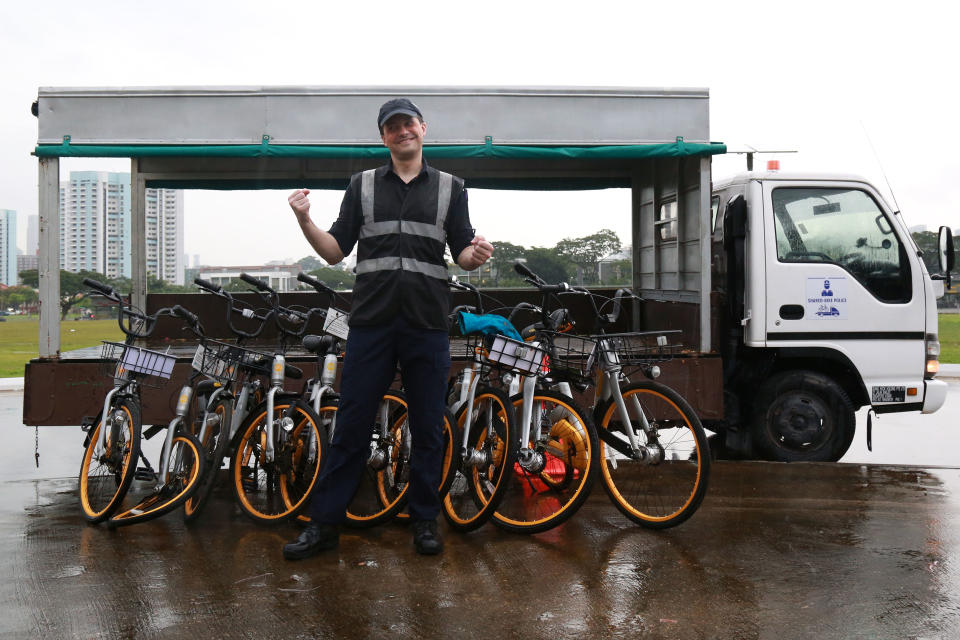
(381, 493)
(113, 441)
(556, 457)
(655, 458)
(224, 400)
(486, 432)
(277, 452)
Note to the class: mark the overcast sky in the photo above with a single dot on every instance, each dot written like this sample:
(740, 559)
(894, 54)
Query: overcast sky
(831, 81)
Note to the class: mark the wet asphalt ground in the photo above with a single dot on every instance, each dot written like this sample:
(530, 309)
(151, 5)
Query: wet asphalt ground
(865, 548)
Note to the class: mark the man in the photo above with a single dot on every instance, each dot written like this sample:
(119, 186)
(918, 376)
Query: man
(399, 216)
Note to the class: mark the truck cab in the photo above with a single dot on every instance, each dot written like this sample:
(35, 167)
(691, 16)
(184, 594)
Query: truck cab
(828, 307)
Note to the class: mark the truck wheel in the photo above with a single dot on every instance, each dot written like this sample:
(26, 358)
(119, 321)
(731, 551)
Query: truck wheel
(802, 416)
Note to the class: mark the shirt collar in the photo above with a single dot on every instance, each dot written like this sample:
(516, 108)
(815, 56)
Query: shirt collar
(420, 176)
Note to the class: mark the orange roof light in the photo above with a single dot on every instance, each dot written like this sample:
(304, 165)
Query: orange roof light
(773, 165)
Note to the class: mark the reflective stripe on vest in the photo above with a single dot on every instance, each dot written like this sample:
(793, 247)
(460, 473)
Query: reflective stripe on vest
(434, 231)
(394, 263)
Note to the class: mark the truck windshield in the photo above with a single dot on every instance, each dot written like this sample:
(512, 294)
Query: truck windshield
(844, 227)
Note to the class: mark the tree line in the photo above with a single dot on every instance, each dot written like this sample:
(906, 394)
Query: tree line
(574, 260)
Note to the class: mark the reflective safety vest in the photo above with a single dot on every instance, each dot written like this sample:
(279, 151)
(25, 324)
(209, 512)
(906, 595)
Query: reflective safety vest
(400, 250)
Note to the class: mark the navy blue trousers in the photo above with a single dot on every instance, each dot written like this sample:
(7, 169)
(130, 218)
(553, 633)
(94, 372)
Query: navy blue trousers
(369, 367)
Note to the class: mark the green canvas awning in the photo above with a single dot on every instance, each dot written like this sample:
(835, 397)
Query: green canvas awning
(678, 149)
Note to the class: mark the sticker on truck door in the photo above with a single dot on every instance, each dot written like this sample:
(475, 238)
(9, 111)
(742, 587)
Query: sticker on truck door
(827, 298)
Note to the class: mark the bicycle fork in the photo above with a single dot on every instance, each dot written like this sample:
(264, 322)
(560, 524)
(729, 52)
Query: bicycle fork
(285, 422)
(648, 453)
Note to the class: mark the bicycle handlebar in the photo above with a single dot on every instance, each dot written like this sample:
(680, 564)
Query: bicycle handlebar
(523, 306)
(258, 283)
(189, 316)
(466, 286)
(206, 284)
(539, 282)
(103, 289)
(316, 284)
(232, 307)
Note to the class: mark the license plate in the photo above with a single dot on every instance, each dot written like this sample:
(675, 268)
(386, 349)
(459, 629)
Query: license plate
(889, 394)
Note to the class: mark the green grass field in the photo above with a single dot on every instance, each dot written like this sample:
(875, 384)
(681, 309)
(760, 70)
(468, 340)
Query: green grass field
(18, 339)
(950, 338)
(19, 335)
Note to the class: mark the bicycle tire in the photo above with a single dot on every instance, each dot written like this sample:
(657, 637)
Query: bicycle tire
(477, 490)
(214, 446)
(655, 495)
(273, 492)
(382, 493)
(449, 435)
(533, 504)
(104, 480)
(186, 468)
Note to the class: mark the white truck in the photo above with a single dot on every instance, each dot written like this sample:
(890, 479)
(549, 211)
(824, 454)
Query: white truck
(799, 298)
(827, 308)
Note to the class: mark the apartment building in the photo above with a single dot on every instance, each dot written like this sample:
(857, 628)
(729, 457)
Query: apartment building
(8, 247)
(95, 227)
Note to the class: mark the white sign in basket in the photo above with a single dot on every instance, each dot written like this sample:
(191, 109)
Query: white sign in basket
(148, 362)
(516, 355)
(336, 323)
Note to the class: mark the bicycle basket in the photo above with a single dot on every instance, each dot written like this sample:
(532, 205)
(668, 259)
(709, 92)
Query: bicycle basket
(224, 361)
(639, 348)
(571, 357)
(506, 353)
(119, 359)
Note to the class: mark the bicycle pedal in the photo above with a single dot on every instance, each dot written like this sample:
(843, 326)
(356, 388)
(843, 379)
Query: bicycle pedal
(154, 430)
(143, 473)
(249, 485)
(87, 423)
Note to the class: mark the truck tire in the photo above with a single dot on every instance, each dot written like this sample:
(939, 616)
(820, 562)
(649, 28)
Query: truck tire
(802, 416)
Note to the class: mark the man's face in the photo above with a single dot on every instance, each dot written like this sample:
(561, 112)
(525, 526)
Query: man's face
(403, 135)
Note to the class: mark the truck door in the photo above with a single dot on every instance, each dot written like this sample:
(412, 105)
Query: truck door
(840, 275)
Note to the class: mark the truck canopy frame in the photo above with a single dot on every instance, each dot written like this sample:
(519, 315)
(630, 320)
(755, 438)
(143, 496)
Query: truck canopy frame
(653, 141)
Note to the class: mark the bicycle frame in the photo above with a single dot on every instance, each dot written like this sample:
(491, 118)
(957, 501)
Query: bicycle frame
(607, 378)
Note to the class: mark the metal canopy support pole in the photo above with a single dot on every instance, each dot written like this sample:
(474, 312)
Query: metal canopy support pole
(49, 262)
(138, 236)
(706, 238)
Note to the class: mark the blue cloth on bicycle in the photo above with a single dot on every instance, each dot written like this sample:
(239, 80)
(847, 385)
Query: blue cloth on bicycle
(489, 324)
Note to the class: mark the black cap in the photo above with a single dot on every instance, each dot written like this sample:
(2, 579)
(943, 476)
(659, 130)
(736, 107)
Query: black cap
(391, 108)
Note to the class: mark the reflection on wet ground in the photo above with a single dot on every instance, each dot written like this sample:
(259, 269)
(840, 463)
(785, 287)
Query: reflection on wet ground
(776, 551)
(786, 551)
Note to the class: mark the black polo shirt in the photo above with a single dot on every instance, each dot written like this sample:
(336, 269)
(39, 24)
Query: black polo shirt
(377, 300)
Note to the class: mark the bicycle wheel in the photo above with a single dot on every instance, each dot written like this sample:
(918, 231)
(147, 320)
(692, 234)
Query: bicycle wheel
(184, 469)
(214, 443)
(448, 466)
(382, 491)
(559, 470)
(668, 488)
(106, 475)
(481, 480)
(273, 491)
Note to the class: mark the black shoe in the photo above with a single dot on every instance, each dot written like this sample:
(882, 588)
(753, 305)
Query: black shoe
(311, 541)
(426, 538)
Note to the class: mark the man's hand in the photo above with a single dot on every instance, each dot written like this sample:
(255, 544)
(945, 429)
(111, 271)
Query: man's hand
(476, 254)
(300, 204)
(322, 242)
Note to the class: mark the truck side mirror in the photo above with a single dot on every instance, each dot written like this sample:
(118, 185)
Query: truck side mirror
(946, 253)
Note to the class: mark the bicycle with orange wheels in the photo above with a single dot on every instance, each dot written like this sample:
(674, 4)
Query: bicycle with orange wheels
(112, 448)
(278, 450)
(486, 426)
(654, 455)
(231, 389)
